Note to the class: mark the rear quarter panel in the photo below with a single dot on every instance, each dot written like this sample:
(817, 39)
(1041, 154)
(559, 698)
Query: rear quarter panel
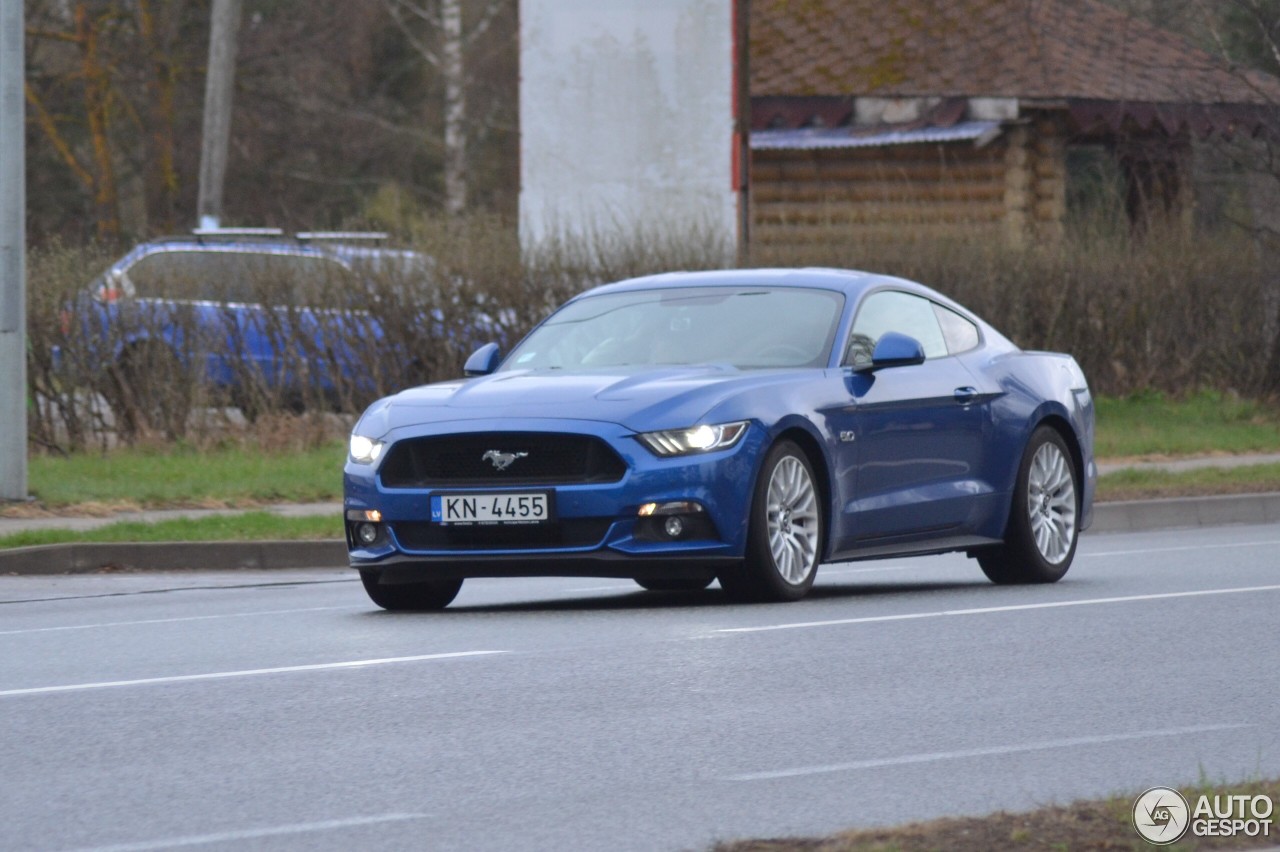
(1036, 388)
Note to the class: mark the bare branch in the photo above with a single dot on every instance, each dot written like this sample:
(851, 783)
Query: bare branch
(50, 127)
(1255, 10)
(395, 8)
(1211, 26)
(486, 19)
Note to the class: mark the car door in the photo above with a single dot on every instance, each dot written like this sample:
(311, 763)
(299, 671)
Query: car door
(291, 327)
(172, 289)
(912, 437)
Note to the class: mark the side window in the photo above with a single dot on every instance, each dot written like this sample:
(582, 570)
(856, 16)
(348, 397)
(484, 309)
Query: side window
(960, 334)
(238, 276)
(299, 279)
(170, 275)
(215, 276)
(890, 310)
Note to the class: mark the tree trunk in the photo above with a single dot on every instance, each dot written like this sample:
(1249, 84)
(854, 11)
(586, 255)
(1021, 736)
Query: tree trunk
(161, 172)
(97, 107)
(455, 108)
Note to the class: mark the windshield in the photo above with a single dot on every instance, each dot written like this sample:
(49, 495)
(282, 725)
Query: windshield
(745, 327)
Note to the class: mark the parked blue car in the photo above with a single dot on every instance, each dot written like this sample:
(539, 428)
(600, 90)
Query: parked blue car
(745, 426)
(254, 314)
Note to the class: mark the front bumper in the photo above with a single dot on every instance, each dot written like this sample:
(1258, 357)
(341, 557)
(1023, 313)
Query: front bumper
(599, 528)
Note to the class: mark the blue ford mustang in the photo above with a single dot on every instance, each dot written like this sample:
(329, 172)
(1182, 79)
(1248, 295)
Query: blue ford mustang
(745, 426)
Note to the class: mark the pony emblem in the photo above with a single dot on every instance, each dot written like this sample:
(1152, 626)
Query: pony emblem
(501, 461)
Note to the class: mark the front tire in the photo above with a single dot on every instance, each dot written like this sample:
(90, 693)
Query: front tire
(784, 540)
(401, 597)
(1042, 534)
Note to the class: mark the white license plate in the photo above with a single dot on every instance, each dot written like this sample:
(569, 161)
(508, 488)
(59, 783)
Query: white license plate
(526, 508)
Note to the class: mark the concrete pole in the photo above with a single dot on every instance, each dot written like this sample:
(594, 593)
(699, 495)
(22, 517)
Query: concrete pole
(742, 124)
(218, 89)
(13, 227)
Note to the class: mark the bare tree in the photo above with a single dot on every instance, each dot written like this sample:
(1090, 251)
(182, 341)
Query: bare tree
(88, 67)
(435, 30)
(158, 30)
(1246, 34)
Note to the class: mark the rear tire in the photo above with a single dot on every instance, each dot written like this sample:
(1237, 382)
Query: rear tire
(681, 584)
(1041, 538)
(784, 540)
(400, 597)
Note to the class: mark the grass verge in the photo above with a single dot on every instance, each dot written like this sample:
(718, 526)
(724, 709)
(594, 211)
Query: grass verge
(1151, 424)
(1154, 484)
(247, 526)
(151, 478)
(1092, 825)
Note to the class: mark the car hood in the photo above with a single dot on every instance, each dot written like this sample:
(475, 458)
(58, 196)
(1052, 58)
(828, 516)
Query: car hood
(643, 400)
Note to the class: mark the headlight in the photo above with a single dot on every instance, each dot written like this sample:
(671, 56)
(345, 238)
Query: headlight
(365, 450)
(696, 439)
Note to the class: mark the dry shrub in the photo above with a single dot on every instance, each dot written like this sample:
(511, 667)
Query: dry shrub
(1166, 310)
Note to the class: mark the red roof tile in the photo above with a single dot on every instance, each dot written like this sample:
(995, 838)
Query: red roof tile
(1050, 49)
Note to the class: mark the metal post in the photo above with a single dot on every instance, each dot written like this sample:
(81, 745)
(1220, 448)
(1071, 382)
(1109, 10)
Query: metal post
(13, 226)
(218, 89)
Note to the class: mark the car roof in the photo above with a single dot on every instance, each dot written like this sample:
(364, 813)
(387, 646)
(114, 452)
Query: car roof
(273, 244)
(851, 282)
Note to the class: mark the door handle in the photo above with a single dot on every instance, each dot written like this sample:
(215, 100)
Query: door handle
(966, 395)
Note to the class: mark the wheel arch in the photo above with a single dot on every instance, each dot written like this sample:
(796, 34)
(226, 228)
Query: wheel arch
(812, 449)
(1059, 424)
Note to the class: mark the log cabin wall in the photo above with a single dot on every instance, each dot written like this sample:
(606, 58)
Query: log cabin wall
(1012, 188)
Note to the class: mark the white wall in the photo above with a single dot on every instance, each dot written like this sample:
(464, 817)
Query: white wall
(626, 118)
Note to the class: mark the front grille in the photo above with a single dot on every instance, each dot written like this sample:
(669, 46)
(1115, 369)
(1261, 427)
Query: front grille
(537, 458)
(570, 532)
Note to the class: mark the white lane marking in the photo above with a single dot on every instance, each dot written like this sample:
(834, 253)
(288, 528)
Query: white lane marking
(1181, 549)
(252, 833)
(831, 573)
(174, 620)
(990, 609)
(314, 667)
(931, 757)
(620, 587)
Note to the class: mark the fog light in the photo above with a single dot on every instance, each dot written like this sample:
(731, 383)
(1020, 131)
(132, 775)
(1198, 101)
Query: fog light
(368, 533)
(364, 515)
(672, 521)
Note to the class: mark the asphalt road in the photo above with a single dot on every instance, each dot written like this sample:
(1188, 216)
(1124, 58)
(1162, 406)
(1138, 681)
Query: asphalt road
(282, 711)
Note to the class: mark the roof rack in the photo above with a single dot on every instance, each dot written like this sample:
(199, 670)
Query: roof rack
(306, 236)
(237, 232)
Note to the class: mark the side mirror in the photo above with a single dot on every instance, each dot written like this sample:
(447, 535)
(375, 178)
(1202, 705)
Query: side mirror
(896, 350)
(484, 360)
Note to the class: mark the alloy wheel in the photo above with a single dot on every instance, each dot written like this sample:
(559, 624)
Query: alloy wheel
(1051, 503)
(792, 520)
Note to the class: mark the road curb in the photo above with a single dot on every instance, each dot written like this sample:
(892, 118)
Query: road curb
(1183, 512)
(173, 556)
(1123, 516)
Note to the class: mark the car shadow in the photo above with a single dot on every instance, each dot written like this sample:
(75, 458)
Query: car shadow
(639, 599)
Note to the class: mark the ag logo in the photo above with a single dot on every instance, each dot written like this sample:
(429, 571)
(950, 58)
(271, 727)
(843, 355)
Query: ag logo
(1161, 815)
